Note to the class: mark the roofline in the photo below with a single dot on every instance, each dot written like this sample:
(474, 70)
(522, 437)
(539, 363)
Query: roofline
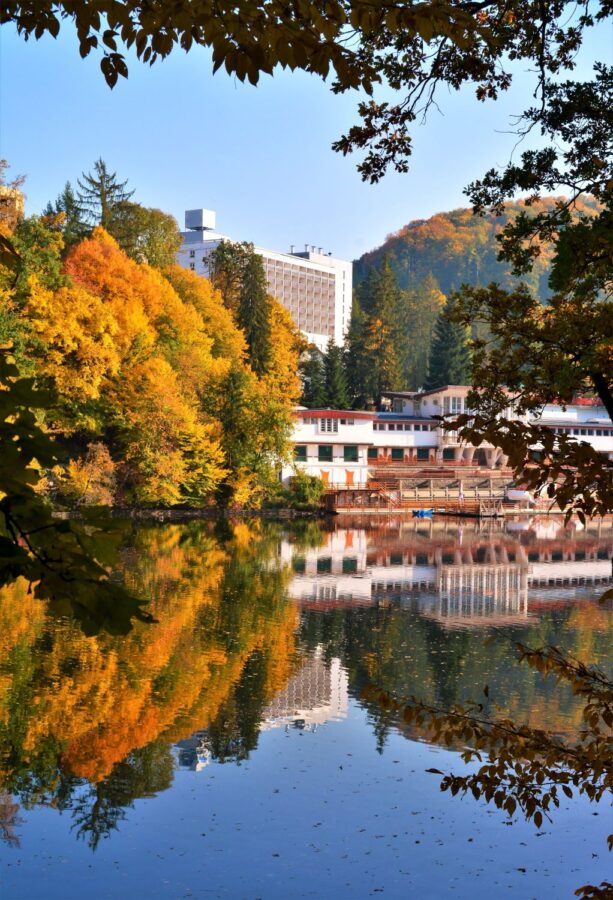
(333, 414)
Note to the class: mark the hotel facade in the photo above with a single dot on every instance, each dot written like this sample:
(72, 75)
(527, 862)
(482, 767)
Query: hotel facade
(347, 448)
(314, 286)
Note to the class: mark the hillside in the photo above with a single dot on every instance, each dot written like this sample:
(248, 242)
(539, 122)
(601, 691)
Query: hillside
(455, 247)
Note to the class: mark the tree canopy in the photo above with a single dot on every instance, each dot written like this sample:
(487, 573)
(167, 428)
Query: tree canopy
(413, 47)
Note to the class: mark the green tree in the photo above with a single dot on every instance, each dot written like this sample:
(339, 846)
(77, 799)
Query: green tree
(313, 380)
(420, 310)
(253, 313)
(356, 361)
(146, 235)
(237, 271)
(383, 336)
(337, 394)
(99, 194)
(449, 355)
(66, 206)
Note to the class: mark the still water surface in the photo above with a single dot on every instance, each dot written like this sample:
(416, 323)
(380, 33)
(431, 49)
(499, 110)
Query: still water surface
(226, 751)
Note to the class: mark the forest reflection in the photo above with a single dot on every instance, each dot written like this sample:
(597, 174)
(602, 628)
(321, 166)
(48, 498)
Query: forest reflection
(263, 626)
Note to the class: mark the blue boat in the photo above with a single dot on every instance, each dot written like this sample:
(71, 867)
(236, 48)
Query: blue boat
(422, 513)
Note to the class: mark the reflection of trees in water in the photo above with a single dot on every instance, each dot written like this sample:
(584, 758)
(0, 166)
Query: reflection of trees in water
(98, 808)
(87, 723)
(9, 819)
(405, 653)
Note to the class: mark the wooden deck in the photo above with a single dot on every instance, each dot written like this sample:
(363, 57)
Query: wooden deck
(377, 498)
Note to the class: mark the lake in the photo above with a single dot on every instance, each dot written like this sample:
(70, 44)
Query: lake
(227, 751)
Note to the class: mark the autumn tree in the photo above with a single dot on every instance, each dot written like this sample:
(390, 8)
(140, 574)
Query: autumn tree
(449, 361)
(99, 194)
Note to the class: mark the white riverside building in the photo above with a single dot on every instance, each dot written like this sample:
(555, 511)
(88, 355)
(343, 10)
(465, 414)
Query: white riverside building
(314, 286)
(344, 447)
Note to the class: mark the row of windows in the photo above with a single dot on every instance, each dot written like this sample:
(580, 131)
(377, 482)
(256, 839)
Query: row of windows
(403, 426)
(330, 425)
(324, 565)
(598, 432)
(324, 453)
(397, 453)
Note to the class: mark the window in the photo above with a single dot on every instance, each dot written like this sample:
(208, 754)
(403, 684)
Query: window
(453, 405)
(590, 431)
(192, 266)
(300, 453)
(599, 432)
(328, 425)
(324, 453)
(423, 453)
(350, 565)
(395, 559)
(324, 565)
(346, 421)
(408, 426)
(397, 453)
(299, 565)
(417, 427)
(448, 453)
(350, 454)
(192, 253)
(373, 453)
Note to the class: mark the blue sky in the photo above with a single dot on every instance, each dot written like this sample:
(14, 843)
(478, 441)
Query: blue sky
(260, 156)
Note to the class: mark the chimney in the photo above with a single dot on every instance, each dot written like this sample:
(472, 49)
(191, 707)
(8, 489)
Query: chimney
(306, 248)
(291, 249)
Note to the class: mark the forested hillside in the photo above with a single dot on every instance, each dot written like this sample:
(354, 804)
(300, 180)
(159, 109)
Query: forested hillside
(457, 248)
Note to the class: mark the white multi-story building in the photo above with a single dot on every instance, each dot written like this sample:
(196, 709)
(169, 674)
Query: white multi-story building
(343, 447)
(314, 286)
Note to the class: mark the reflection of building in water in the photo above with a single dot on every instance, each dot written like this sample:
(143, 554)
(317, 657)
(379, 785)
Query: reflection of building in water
(317, 693)
(194, 752)
(462, 577)
(481, 594)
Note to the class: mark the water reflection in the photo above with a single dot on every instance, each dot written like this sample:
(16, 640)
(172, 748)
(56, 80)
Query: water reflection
(261, 627)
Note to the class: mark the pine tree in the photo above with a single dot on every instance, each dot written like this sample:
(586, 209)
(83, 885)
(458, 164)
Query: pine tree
(99, 194)
(450, 361)
(313, 381)
(67, 206)
(337, 395)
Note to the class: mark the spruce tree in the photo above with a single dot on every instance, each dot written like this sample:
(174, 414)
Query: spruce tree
(356, 361)
(420, 310)
(99, 194)
(382, 333)
(337, 395)
(450, 361)
(313, 380)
